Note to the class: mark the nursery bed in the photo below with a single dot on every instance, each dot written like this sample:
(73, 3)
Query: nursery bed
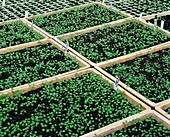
(148, 75)
(71, 107)
(17, 32)
(81, 17)
(32, 64)
(111, 42)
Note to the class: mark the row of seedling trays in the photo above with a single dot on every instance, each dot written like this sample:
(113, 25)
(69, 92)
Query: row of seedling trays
(17, 9)
(13, 9)
(136, 7)
(69, 71)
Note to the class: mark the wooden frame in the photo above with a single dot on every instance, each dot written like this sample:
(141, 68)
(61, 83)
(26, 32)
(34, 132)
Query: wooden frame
(38, 84)
(23, 44)
(134, 55)
(129, 121)
(9, 21)
(67, 9)
(121, 58)
(128, 57)
(149, 17)
(162, 107)
(59, 47)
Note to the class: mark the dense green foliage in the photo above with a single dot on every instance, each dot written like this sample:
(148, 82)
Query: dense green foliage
(75, 19)
(149, 75)
(112, 42)
(68, 108)
(16, 33)
(144, 128)
(31, 64)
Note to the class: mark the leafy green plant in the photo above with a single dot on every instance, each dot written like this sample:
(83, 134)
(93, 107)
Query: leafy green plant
(149, 75)
(75, 19)
(116, 41)
(16, 33)
(31, 64)
(143, 128)
(68, 108)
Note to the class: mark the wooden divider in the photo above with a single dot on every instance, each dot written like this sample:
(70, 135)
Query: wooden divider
(87, 30)
(157, 14)
(162, 108)
(22, 46)
(129, 121)
(134, 55)
(9, 21)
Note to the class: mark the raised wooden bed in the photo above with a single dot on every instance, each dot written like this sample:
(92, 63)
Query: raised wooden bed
(19, 36)
(85, 74)
(115, 11)
(127, 58)
(126, 123)
(164, 108)
(24, 47)
(93, 29)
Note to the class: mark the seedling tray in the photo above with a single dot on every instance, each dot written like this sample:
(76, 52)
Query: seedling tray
(110, 40)
(71, 107)
(135, 8)
(164, 108)
(5, 15)
(17, 32)
(151, 93)
(18, 8)
(151, 122)
(35, 62)
(81, 17)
